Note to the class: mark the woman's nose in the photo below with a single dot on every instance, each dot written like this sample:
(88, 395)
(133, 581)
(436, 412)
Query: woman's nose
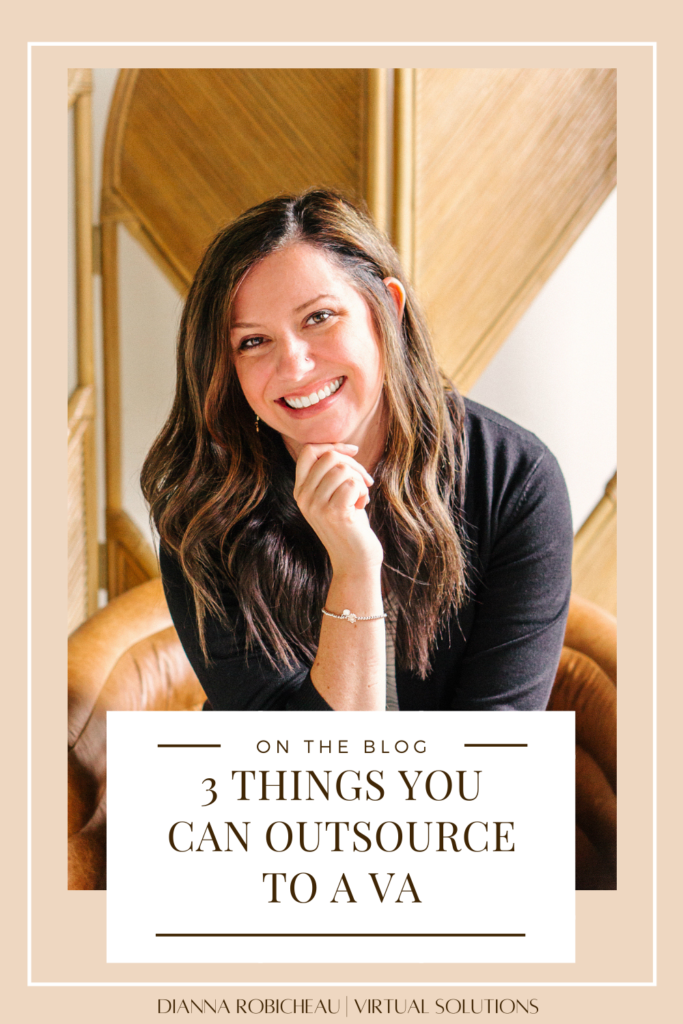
(294, 356)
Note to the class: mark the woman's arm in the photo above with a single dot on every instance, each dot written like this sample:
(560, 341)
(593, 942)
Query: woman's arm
(521, 603)
(349, 670)
(234, 678)
(331, 490)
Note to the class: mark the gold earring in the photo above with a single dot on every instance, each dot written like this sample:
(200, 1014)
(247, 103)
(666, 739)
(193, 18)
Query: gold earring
(257, 425)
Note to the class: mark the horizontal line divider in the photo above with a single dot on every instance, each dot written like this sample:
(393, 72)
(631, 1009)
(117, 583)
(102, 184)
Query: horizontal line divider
(340, 935)
(188, 744)
(496, 744)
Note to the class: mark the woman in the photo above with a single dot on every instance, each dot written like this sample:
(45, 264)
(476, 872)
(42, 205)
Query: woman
(324, 499)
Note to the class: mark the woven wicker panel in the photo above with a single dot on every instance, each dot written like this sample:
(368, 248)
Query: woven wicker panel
(77, 602)
(189, 149)
(594, 568)
(510, 166)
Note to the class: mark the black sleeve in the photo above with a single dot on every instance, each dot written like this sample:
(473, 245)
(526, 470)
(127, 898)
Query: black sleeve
(232, 679)
(521, 604)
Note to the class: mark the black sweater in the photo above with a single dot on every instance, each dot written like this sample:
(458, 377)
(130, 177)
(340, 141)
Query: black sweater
(499, 653)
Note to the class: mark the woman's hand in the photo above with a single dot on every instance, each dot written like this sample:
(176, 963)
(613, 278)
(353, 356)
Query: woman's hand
(332, 490)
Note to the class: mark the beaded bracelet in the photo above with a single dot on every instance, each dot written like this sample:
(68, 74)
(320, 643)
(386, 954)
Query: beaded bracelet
(350, 617)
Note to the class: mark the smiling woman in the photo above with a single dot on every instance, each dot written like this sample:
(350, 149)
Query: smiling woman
(312, 372)
(316, 469)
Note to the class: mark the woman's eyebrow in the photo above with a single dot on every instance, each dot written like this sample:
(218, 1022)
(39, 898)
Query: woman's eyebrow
(240, 323)
(309, 302)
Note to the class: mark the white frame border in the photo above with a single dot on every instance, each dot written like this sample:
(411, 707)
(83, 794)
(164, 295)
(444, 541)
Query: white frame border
(339, 984)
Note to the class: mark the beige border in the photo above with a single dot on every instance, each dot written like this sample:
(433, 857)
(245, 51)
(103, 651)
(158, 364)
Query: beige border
(77, 941)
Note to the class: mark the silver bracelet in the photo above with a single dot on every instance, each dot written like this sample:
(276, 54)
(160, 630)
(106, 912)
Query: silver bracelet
(350, 617)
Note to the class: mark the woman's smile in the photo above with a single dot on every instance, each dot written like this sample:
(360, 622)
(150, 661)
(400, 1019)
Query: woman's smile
(316, 399)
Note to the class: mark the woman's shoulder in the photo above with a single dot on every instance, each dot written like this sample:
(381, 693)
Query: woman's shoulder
(508, 467)
(492, 433)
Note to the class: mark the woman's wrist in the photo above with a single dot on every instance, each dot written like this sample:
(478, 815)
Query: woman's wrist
(359, 592)
(364, 575)
(350, 667)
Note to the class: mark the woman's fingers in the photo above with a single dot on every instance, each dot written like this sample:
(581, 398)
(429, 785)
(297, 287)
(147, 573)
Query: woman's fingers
(341, 487)
(311, 453)
(351, 494)
(326, 476)
(316, 461)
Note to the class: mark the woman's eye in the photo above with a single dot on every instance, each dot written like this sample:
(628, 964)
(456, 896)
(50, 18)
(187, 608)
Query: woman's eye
(320, 317)
(248, 343)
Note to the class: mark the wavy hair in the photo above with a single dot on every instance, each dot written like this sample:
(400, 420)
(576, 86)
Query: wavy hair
(220, 493)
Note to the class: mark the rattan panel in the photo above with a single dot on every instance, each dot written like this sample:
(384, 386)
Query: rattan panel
(77, 601)
(594, 569)
(510, 166)
(195, 147)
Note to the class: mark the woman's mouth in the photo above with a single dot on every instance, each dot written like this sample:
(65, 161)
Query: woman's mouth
(316, 397)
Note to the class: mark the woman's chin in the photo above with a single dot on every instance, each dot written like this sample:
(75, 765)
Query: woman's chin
(309, 432)
(338, 424)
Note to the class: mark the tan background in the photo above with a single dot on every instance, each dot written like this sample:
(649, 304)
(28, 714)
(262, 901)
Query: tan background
(613, 928)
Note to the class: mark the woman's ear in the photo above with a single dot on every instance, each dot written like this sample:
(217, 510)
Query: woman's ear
(398, 294)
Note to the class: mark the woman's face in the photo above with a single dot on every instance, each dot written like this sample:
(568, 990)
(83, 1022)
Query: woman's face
(306, 351)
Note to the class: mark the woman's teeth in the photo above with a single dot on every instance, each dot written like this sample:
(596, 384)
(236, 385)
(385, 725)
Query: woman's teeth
(315, 397)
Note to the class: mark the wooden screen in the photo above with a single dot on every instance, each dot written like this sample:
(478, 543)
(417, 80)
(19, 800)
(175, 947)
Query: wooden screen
(81, 489)
(82, 550)
(509, 166)
(186, 151)
(195, 147)
(594, 566)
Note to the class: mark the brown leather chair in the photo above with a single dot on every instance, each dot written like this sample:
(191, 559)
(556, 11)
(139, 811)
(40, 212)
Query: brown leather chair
(128, 657)
(586, 684)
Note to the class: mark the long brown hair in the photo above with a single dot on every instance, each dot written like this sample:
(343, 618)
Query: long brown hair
(220, 493)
